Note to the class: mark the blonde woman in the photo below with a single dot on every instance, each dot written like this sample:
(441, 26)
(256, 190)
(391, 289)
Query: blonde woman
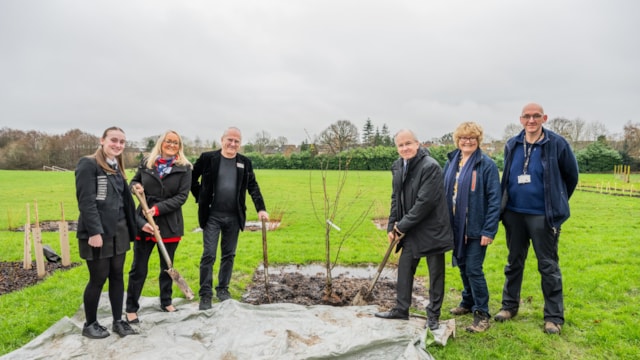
(165, 177)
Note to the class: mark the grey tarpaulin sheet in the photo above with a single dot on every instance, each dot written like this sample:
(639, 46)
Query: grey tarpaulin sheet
(234, 330)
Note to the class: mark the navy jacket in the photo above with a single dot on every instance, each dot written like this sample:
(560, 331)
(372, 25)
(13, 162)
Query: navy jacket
(205, 170)
(483, 215)
(560, 174)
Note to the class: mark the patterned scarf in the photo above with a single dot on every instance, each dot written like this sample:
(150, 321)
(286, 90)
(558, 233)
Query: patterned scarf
(163, 166)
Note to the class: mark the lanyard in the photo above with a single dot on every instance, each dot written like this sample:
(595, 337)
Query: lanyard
(527, 152)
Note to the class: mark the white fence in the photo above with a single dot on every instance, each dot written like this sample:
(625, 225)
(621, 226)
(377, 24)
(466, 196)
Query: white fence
(53, 168)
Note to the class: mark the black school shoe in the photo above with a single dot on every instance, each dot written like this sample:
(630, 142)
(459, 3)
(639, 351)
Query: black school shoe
(205, 303)
(433, 323)
(122, 328)
(95, 331)
(393, 314)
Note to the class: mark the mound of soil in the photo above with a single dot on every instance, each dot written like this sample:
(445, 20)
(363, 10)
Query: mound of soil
(283, 287)
(298, 288)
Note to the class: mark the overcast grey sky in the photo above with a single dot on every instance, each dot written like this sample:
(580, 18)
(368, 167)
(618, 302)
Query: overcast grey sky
(293, 67)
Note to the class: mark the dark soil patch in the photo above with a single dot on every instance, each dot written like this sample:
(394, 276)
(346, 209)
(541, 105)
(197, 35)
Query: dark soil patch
(298, 288)
(284, 287)
(50, 226)
(13, 277)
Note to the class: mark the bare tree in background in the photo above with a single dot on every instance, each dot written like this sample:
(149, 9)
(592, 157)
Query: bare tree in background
(562, 126)
(261, 140)
(25, 153)
(511, 130)
(594, 130)
(579, 129)
(632, 139)
(281, 141)
(340, 136)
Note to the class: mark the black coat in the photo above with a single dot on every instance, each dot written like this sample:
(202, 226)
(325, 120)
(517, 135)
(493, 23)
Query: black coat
(205, 170)
(419, 207)
(168, 194)
(99, 203)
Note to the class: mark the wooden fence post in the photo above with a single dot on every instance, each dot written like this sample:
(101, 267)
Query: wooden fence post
(63, 228)
(26, 263)
(37, 242)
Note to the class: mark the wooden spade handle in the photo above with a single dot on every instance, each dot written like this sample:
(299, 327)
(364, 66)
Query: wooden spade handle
(156, 232)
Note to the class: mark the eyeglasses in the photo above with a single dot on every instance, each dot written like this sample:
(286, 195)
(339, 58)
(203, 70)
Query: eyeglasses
(172, 142)
(466, 138)
(529, 116)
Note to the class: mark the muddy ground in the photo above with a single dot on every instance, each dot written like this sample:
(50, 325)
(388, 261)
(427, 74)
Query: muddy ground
(13, 277)
(284, 287)
(303, 289)
(300, 288)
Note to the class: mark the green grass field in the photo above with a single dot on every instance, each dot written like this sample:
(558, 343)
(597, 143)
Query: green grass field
(599, 257)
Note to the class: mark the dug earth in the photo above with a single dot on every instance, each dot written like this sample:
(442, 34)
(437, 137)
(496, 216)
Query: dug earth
(283, 287)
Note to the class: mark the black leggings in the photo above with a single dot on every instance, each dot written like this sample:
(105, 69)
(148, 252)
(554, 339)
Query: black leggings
(99, 271)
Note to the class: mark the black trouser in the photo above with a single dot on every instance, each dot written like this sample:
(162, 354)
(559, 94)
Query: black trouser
(139, 269)
(99, 271)
(229, 228)
(519, 229)
(407, 266)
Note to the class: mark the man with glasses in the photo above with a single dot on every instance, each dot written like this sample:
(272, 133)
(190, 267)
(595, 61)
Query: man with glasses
(419, 215)
(540, 175)
(225, 177)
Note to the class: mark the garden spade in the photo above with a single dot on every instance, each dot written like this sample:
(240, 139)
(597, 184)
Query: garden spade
(266, 259)
(364, 294)
(175, 275)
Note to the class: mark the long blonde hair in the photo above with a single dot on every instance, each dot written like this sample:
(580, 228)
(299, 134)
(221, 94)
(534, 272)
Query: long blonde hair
(157, 151)
(101, 158)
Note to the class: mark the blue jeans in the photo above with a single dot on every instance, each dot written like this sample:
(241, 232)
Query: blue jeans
(520, 228)
(475, 295)
(229, 227)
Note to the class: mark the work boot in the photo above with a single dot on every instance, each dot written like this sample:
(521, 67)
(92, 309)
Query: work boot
(505, 315)
(480, 322)
(459, 310)
(552, 328)
(205, 303)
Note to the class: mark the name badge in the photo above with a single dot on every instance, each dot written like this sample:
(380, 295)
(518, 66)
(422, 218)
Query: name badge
(240, 165)
(524, 179)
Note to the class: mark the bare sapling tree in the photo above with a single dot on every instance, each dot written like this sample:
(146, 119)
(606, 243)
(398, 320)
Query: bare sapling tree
(332, 214)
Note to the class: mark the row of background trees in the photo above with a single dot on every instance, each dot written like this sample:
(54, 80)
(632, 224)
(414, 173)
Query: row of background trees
(339, 144)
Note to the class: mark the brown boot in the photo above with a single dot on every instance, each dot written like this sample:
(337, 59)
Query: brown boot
(505, 315)
(552, 328)
(480, 322)
(459, 310)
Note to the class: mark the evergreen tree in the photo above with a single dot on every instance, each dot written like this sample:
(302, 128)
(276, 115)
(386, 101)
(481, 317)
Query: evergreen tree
(367, 133)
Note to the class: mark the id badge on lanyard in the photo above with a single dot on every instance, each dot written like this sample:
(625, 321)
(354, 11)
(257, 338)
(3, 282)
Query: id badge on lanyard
(526, 178)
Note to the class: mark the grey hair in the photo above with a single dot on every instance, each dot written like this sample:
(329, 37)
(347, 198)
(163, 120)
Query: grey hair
(413, 134)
